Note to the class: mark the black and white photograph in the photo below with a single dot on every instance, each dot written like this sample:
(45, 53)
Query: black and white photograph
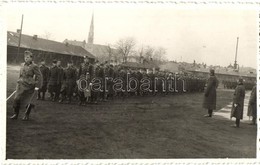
(128, 81)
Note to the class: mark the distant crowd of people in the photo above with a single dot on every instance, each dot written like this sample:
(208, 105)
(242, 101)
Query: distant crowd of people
(232, 84)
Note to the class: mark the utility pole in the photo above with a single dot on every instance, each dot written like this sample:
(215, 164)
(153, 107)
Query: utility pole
(235, 64)
(19, 43)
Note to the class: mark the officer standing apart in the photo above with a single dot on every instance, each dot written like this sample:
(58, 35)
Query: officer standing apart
(210, 95)
(30, 79)
(238, 102)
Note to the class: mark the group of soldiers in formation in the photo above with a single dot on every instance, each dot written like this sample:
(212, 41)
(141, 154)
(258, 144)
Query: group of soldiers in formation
(232, 84)
(64, 85)
(91, 83)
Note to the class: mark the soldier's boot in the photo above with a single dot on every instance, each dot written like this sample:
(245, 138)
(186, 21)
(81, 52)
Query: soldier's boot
(16, 113)
(43, 95)
(27, 112)
(237, 123)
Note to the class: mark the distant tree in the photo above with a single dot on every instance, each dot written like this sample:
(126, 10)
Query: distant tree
(47, 35)
(149, 52)
(110, 52)
(125, 46)
(159, 54)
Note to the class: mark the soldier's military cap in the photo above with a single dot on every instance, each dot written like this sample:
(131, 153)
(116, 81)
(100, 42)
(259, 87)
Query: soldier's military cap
(54, 61)
(28, 53)
(240, 80)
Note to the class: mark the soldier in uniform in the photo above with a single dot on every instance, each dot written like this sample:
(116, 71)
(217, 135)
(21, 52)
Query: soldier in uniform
(83, 75)
(53, 80)
(59, 80)
(111, 74)
(252, 106)
(45, 76)
(210, 95)
(69, 82)
(30, 79)
(238, 102)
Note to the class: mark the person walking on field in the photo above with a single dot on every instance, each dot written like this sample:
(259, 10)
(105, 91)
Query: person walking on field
(30, 79)
(238, 102)
(252, 106)
(210, 95)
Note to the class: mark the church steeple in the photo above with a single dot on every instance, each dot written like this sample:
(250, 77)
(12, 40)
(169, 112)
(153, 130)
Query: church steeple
(91, 31)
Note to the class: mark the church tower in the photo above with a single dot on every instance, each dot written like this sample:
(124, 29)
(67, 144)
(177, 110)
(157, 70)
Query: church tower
(91, 31)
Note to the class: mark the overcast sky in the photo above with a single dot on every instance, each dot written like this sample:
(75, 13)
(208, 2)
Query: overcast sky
(204, 35)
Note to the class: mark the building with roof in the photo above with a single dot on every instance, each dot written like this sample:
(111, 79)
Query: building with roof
(101, 52)
(43, 49)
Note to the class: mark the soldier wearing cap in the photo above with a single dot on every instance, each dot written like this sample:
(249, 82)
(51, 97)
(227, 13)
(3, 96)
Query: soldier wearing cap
(210, 95)
(59, 80)
(45, 76)
(53, 80)
(30, 79)
(69, 82)
(252, 106)
(83, 75)
(238, 102)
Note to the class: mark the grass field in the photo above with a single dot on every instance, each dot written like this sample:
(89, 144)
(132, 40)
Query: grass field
(137, 127)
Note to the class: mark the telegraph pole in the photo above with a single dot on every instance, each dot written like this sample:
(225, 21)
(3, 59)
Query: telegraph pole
(235, 64)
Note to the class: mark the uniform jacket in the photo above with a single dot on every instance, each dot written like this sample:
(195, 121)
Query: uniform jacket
(83, 70)
(45, 74)
(60, 75)
(210, 95)
(70, 76)
(30, 76)
(238, 98)
(53, 75)
(252, 106)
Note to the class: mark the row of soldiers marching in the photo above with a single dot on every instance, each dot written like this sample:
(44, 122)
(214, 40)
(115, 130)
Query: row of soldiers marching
(83, 84)
(64, 84)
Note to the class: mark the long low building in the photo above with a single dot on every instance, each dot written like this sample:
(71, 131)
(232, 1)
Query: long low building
(44, 49)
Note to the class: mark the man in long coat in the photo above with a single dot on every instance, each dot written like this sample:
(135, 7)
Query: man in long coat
(210, 95)
(238, 102)
(59, 80)
(252, 106)
(45, 76)
(30, 79)
(53, 80)
(83, 75)
(69, 82)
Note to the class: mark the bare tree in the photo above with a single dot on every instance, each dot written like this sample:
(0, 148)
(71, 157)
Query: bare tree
(125, 47)
(47, 35)
(159, 54)
(149, 52)
(110, 53)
